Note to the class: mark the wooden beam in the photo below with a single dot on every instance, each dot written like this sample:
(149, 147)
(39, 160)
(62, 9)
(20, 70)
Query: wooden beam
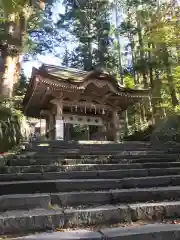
(87, 105)
(44, 96)
(106, 97)
(98, 99)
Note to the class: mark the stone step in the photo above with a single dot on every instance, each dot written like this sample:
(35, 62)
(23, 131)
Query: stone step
(20, 221)
(43, 219)
(85, 198)
(85, 167)
(116, 196)
(118, 151)
(36, 186)
(102, 146)
(119, 155)
(91, 146)
(44, 145)
(144, 154)
(140, 232)
(77, 153)
(113, 214)
(104, 160)
(117, 161)
(150, 231)
(88, 152)
(24, 201)
(60, 144)
(88, 143)
(100, 174)
(69, 235)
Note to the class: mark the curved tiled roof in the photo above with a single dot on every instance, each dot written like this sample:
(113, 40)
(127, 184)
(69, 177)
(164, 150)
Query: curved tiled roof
(50, 77)
(73, 78)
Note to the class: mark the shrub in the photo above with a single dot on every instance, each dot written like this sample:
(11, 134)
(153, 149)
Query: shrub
(13, 127)
(168, 130)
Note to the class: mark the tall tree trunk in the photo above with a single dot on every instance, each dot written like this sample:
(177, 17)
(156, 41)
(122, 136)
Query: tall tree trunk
(170, 79)
(17, 70)
(150, 47)
(178, 53)
(8, 74)
(89, 47)
(118, 43)
(150, 65)
(133, 59)
(9, 59)
(156, 97)
(16, 29)
(141, 45)
(145, 108)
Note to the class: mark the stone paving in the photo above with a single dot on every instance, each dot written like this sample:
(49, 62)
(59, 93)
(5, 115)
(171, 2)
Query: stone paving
(61, 185)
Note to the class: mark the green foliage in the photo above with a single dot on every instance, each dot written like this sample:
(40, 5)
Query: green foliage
(168, 130)
(9, 6)
(10, 127)
(43, 34)
(89, 24)
(141, 135)
(21, 86)
(78, 132)
(176, 75)
(32, 23)
(129, 81)
(151, 31)
(13, 126)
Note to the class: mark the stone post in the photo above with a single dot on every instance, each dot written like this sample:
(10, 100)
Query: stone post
(116, 127)
(59, 123)
(42, 125)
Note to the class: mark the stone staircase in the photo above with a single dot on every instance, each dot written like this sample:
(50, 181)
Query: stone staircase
(57, 185)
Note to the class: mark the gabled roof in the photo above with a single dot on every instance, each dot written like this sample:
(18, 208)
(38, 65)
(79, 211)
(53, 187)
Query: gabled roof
(49, 78)
(63, 73)
(76, 77)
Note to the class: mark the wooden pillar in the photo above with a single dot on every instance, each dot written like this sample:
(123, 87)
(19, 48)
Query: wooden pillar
(51, 126)
(42, 125)
(68, 132)
(87, 132)
(116, 127)
(47, 125)
(48, 115)
(104, 131)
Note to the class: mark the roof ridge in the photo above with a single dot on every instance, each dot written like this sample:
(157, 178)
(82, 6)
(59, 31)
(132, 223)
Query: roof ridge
(74, 70)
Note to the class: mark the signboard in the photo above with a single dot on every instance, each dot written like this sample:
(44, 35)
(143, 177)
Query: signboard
(83, 120)
(59, 130)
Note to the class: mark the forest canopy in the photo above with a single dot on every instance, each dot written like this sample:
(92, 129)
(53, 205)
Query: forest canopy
(136, 41)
